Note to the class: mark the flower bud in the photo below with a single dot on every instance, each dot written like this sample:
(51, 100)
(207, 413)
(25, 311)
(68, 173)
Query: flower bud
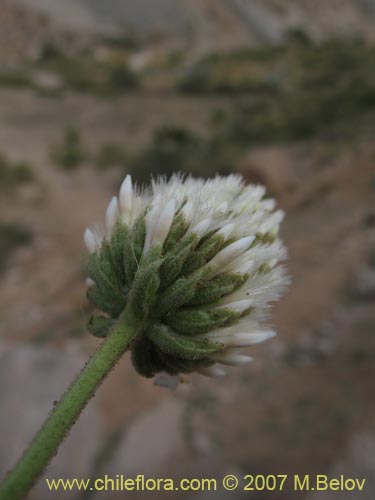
(194, 262)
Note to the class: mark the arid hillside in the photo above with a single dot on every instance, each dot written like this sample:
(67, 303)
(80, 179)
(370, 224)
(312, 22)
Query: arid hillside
(294, 397)
(279, 91)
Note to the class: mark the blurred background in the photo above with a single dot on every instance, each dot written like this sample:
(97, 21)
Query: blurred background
(283, 92)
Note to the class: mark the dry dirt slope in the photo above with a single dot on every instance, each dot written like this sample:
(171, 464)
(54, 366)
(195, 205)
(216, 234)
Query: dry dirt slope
(310, 389)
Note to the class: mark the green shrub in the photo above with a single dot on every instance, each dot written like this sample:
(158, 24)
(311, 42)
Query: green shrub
(124, 41)
(14, 173)
(119, 77)
(83, 73)
(15, 78)
(241, 71)
(49, 53)
(70, 154)
(75, 72)
(111, 155)
(12, 236)
(171, 149)
(176, 149)
(291, 92)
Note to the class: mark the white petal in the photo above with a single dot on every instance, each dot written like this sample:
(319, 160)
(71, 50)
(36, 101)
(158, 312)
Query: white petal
(239, 306)
(230, 358)
(268, 204)
(231, 252)
(272, 222)
(242, 267)
(212, 371)
(246, 339)
(187, 211)
(164, 223)
(226, 230)
(111, 215)
(126, 197)
(90, 240)
(89, 282)
(151, 219)
(201, 228)
(223, 207)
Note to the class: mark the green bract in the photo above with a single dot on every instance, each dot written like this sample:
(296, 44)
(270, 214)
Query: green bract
(169, 290)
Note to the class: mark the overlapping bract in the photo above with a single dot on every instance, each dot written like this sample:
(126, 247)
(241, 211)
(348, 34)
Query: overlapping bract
(196, 263)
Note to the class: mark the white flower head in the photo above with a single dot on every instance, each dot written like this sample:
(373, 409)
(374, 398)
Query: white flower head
(199, 260)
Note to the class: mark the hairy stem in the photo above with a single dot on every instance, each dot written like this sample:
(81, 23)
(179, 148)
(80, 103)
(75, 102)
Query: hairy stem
(36, 457)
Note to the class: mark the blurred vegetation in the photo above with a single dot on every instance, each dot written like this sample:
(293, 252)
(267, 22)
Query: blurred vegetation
(176, 149)
(70, 154)
(111, 154)
(295, 91)
(15, 78)
(14, 173)
(122, 41)
(170, 149)
(12, 236)
(83, 72)
(292, 91)
(163, 70)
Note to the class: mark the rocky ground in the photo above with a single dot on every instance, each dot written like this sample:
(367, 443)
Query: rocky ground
(305, 405)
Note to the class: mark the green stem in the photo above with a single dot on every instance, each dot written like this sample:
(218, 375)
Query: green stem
(27, 471)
